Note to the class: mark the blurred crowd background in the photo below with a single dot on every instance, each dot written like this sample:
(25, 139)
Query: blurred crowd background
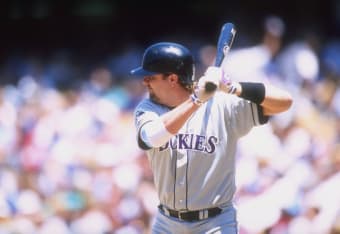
(69, 162)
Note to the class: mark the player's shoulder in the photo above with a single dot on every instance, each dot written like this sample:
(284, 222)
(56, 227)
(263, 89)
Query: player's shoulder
(147, 105)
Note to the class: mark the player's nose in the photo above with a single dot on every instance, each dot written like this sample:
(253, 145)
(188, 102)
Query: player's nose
(146, 80)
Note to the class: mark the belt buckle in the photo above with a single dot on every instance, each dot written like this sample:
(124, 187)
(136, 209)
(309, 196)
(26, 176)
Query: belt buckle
(180, 212)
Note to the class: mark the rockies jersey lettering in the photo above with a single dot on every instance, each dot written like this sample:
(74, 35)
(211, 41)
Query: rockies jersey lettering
(192, 142)
(196, 168)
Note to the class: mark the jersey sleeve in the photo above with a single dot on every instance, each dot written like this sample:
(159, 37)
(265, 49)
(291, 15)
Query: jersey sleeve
(143, 114)
(244, 115)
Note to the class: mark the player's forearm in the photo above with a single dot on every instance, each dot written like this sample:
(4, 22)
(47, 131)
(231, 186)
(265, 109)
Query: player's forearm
(272, 99)
(176, 118)
(276, 100)
(159, 131)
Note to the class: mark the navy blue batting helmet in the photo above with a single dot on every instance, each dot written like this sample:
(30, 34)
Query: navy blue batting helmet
(167, 57)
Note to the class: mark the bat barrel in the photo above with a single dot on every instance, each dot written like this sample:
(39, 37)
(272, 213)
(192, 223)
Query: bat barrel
(225, 39)
(224, 44)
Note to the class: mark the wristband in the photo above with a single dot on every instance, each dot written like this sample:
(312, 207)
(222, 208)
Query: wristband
(196, 100)
(254, 92)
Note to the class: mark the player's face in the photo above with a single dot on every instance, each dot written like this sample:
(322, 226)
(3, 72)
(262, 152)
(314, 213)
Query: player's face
(157, 86)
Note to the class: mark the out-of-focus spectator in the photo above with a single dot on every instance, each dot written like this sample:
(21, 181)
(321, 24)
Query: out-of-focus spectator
(256, 62)
(330, 59)
(299, 63)
(93, 221)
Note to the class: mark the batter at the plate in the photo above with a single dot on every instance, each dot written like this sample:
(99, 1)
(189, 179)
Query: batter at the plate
(190, 136)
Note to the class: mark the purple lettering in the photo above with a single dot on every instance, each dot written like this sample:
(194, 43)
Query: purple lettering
(199, 143)
(211, 144)
(183, 141)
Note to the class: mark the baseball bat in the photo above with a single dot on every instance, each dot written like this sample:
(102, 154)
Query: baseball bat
(224, 43)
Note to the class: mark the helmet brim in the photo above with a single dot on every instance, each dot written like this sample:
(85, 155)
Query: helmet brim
(139, 71)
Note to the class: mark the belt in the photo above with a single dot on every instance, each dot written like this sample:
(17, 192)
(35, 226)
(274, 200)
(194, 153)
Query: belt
(191, 215)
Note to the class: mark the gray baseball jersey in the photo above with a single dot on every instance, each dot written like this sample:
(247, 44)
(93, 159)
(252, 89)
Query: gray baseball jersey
(196, 168)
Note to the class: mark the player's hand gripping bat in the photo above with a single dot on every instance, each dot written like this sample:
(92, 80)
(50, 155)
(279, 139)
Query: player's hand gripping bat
(224, 44)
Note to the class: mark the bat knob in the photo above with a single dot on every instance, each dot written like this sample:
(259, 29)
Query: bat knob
(210, 87)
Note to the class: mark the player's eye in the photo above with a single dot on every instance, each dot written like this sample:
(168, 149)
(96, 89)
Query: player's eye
(149, 78)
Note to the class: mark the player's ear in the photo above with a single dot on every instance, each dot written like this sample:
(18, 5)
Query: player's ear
(173, 79)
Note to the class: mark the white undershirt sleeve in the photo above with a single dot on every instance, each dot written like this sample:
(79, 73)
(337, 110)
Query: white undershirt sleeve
(154, 133)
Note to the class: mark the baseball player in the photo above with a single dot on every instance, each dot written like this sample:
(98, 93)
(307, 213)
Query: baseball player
(190, 136)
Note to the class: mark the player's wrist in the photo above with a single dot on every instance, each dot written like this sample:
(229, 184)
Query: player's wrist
(229, 86)
(196, 100)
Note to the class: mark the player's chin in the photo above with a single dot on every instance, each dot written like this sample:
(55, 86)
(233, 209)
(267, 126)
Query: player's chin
(153, 97)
